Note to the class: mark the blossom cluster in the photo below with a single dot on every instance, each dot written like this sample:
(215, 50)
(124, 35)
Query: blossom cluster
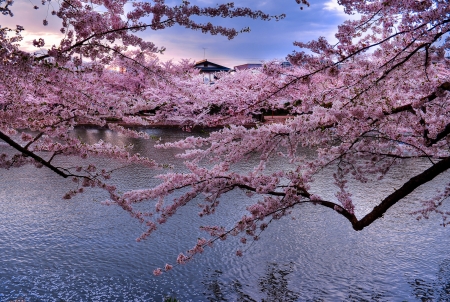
(356, 109)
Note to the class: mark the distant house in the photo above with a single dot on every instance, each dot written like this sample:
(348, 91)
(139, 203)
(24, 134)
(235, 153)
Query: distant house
(247, 66)
(286, 64)
(209, 69)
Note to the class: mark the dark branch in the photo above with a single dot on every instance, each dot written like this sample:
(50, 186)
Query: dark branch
(27, 152)
(401, 193)
(440, 136)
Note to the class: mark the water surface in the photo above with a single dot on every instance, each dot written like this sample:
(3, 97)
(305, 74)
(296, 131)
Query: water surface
(53, 249)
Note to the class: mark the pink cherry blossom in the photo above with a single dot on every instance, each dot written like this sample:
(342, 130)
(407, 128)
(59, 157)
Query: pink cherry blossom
(356, 110)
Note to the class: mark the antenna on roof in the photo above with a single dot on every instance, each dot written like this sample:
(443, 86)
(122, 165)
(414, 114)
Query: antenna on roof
(204, 52)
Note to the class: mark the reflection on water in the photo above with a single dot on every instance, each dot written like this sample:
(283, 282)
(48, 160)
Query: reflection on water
(438, 289)
(78, 250)
(273, 286)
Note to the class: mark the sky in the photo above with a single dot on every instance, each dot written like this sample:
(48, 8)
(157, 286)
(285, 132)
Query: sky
(267, 40)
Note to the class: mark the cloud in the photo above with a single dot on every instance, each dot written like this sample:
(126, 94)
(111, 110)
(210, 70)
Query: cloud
(32, 20)
(49, 38)
(267, 39)
(332, 5)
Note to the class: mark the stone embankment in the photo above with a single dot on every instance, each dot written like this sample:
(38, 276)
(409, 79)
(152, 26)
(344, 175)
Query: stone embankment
(174, 123)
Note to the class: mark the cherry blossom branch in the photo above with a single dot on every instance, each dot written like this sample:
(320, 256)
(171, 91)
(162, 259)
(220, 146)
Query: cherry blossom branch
(378, 211)
(95, 35)
(441, 135)
(408, 187)
(31, 154)
(406, 58)
(5, 10)
(35, 139)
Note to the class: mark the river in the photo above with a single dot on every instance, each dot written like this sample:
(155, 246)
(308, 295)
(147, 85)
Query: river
(52, 249)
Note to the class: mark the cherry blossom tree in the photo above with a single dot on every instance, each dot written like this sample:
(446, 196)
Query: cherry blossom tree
(376, 98)
(79, 81)
(365, 105)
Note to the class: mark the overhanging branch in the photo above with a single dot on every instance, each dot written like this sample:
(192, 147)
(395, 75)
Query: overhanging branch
(402, 192)
(31, 154)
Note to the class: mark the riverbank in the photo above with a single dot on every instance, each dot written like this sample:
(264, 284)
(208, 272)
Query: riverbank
(173, 123)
